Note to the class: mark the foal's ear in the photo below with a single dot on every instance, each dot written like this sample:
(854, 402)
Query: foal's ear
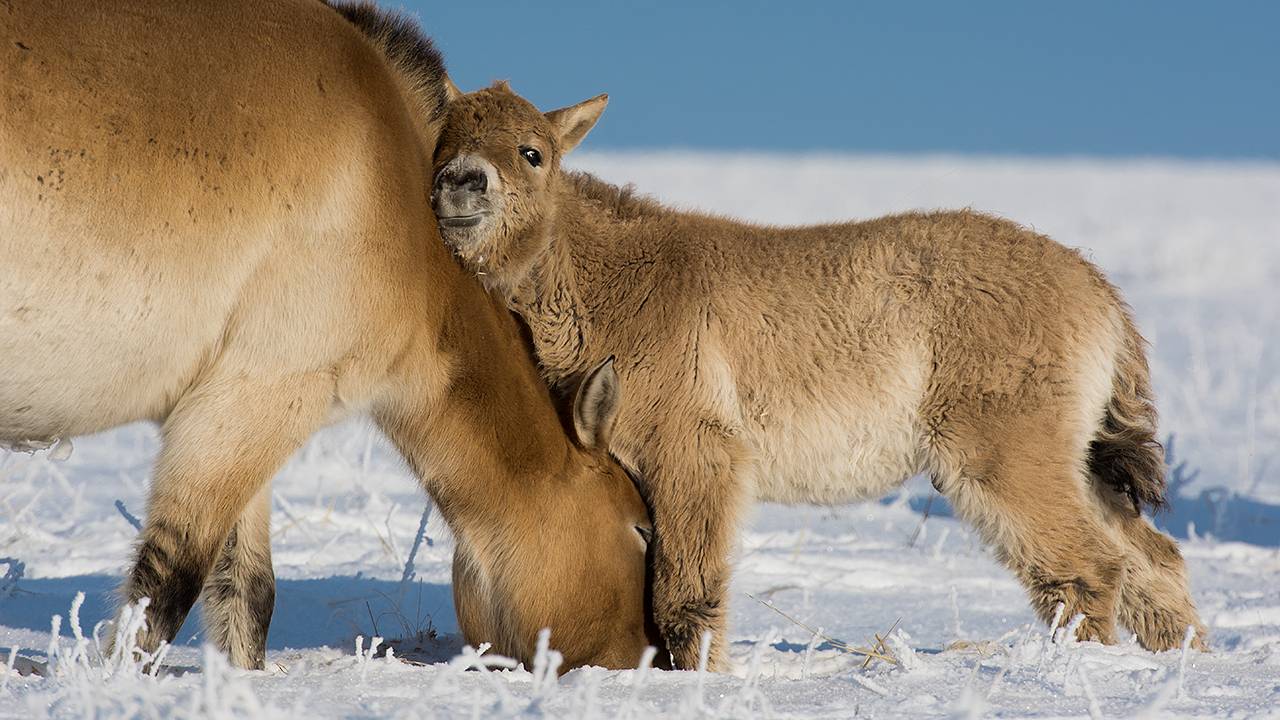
(451, 91)
(596, 406)
(574, 122)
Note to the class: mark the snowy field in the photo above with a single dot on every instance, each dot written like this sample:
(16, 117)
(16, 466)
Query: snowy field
(1194, 247)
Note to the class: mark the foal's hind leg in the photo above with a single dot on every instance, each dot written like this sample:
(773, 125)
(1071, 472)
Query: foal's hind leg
(1154, 600)
(222, 443)
(239, 594)
(1030, 503)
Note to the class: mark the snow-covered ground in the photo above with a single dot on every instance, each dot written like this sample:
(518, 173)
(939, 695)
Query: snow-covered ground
(1196, 249)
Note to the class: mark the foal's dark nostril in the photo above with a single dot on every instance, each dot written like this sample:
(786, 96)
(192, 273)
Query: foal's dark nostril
(475, 181)
(471, 180)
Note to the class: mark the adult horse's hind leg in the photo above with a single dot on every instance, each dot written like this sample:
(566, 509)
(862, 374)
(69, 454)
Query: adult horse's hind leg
(222, 443)
(239, 594)
(1029, 500)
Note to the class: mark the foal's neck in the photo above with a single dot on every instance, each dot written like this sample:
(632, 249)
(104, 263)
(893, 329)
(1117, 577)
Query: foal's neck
(593, 260)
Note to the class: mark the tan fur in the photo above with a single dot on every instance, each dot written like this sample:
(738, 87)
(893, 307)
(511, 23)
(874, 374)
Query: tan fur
(827, 364)
(239, 593)
(212, 216)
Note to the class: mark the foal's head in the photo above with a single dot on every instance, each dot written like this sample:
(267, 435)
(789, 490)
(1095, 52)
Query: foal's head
(496, 167)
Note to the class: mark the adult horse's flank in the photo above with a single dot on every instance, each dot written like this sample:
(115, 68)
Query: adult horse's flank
(213, 216)
(827, 364)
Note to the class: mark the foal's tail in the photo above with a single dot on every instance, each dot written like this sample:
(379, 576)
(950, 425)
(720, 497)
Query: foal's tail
(1154, 599)
(1125, 453)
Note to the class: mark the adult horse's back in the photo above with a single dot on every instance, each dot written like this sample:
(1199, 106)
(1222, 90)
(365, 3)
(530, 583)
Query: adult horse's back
(212, 216)
(149, 181)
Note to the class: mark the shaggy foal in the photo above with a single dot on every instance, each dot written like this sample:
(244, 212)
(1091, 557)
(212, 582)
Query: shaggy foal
(827, 364)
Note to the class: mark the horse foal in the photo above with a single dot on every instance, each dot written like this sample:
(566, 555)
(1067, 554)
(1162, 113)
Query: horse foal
(827, 364)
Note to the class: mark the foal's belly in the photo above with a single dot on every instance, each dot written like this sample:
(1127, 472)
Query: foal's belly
(858, 441)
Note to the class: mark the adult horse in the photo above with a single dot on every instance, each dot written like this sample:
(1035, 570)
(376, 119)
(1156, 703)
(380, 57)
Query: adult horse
(213, 216)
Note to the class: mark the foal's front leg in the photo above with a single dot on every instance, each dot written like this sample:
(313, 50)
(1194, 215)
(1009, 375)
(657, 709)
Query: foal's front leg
(696, 489)
(222, 443)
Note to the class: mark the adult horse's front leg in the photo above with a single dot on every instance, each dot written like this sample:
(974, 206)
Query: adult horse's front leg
(222, 443)
(240, 592)
(697, 491)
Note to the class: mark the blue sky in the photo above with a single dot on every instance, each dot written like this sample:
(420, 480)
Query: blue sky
(1175, 78)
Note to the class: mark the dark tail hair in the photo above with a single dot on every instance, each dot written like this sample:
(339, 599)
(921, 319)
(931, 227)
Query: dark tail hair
(1125, 453)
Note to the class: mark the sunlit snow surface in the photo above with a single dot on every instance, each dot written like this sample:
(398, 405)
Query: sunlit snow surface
(1194, 247)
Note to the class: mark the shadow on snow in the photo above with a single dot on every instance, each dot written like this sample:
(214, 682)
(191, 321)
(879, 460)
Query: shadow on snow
(308, 613)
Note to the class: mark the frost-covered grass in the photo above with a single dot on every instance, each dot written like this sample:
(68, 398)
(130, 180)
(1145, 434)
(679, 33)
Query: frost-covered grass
(1195, 249)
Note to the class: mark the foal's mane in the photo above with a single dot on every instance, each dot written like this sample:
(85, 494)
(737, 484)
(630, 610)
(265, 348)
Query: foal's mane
(624, 202)
(411, 53)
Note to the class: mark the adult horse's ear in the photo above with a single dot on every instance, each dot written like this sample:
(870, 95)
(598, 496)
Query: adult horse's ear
(596, 406)
(574, 122)
(451, 91)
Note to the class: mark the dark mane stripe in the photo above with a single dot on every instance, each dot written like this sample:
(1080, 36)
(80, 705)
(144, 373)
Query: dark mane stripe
(404, 45)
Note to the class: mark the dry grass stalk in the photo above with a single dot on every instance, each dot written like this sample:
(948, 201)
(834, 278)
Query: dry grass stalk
(879, 651)
(880, 647)
(928, 506)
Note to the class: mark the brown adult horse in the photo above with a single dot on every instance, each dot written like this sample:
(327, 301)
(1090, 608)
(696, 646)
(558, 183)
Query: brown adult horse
(212, 216)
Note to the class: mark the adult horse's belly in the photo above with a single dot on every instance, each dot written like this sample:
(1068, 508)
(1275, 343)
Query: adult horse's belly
(88, 342)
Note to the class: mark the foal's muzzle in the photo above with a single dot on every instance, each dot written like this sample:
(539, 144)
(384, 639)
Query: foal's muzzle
(460, 195)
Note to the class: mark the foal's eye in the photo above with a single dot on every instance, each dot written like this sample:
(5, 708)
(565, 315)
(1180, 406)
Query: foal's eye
(532, 155)
(645, 533)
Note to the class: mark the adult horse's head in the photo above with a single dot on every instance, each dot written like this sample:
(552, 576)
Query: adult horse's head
(495, 171)
(567, 553)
